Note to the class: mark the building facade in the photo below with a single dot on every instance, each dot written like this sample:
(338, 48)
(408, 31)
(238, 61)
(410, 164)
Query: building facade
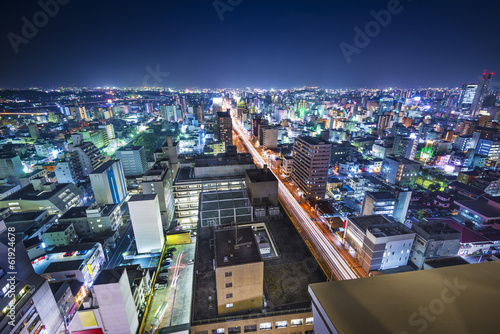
(108, 183)
(310, 166)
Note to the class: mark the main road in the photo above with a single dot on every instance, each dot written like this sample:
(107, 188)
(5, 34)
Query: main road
(337, 265)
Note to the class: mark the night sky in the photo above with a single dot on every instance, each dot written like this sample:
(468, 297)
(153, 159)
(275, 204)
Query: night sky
(260, 43)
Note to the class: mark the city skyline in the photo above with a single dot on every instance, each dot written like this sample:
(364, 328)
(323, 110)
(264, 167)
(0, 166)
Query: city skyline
(248, 44)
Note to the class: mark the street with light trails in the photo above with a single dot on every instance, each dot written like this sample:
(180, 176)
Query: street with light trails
(323, 249)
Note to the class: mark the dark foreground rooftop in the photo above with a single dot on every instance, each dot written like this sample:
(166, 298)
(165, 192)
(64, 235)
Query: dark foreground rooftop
(458, 299)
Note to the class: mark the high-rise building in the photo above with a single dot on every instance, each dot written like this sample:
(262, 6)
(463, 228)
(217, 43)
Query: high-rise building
(35, 309)
(169, 151)
(404, 146)
(256, 121)
(224, 130)
(310, 166)
(133, 159)
(159, 180)
(87, 154)
(268, 137)
(146, 222)
(482, 90)
(467, 97)
(489, 148)
(10, 167)
(400, 171)
(108, 183)
(384, 122)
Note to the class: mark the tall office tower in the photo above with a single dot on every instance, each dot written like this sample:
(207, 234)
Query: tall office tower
(35, 309)
(268, 137)
(146, 222)
(404, 146)
(108, 183)
(198, 113)
(88, 155)
(34, 131)
(467, 97)
(10, 167)
(311, 159)
(256, 121)
(133, 160)
(384, 122)
(482, 90)
(183, 104)
(159, 180)
(224, 130)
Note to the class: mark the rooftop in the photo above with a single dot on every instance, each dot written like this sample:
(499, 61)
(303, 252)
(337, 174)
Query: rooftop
(454, 291)
(142, 197)
(59, 266)
(102, 168)
(313, 140)
(75, 212)
(435, 227)
(380, 226)
(380, 195)
(481, 206)
(223, 114)
(58, 228)
(235, 246)
(261, 175)
(109, 276)
(29, 193)
(130, 148)
(403, 160)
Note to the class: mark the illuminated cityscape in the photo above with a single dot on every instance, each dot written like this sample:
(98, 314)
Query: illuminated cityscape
(307, 189)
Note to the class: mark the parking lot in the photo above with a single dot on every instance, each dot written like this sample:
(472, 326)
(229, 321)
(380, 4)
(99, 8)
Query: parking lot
(171, 302)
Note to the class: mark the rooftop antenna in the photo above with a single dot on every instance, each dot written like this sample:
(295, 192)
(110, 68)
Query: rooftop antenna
(235, 229)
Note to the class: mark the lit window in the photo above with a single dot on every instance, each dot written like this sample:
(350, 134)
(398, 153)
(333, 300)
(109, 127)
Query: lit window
(266, 326)
(281, 324)
(296, 322)
(229, 305)
(309, 321)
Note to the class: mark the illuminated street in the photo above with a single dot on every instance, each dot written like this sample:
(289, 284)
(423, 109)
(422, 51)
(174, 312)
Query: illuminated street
(323, 248)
